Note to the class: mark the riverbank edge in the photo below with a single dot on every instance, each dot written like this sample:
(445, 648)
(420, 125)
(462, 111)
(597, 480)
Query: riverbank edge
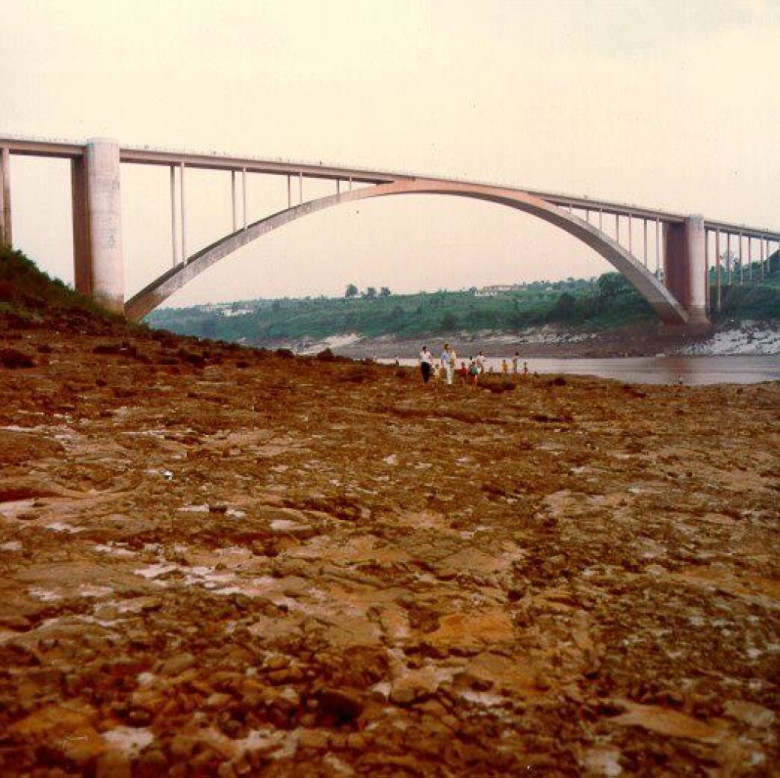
(747, 338)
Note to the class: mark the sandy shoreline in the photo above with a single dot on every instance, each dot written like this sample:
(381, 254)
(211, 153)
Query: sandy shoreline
(749, 338)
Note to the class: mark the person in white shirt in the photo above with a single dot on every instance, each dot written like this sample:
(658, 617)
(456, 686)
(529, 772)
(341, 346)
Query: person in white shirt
(448, 363)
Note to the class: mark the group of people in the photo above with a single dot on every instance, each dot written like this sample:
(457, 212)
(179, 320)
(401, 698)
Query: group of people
(446, 368)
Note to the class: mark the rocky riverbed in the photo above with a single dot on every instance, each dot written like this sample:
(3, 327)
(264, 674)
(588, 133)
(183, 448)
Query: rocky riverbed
(222, 562)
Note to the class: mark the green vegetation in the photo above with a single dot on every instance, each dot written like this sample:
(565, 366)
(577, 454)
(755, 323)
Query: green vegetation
(756, 298)
(29, 297)
(606, 302)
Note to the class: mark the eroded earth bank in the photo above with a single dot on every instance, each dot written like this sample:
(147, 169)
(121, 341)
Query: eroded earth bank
(222, 562)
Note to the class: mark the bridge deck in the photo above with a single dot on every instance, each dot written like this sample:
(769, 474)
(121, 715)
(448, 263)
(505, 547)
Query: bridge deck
(214, 161)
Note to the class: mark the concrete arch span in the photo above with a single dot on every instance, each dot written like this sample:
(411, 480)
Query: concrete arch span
(662, 301)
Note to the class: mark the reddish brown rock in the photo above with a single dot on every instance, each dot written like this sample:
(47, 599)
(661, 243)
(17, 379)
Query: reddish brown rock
(250, 571)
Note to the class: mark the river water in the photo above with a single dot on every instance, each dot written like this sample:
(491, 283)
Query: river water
(687, 370)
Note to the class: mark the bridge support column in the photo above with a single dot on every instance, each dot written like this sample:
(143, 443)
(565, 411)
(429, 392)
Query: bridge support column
(97, 225)
(6, 237)
(685, 267)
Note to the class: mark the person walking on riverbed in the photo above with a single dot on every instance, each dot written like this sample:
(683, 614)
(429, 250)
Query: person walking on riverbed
(426, 363)
(448, 363)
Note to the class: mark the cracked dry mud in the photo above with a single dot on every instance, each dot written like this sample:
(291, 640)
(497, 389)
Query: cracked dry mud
(220, 562)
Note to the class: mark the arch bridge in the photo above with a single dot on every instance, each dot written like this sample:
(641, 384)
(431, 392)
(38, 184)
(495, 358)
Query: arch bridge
(674, 278)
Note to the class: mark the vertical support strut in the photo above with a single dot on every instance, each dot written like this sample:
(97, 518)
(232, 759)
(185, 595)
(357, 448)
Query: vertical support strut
(763, 255)
(717, 272)
(183, 214)
(6, 233)
(243, 194)
(233, 198)
(657, 246)
(728, 259)
(644, 252)
(750, 257)
(630, 243)
(706, 271)
(741, 262)
(174, 225)
(617, 228)
(300, 188)
(289, 191)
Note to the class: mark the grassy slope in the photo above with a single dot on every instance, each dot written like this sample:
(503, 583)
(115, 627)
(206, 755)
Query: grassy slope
(30, 299)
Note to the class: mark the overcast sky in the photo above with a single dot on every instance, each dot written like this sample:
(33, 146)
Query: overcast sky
(666, 103)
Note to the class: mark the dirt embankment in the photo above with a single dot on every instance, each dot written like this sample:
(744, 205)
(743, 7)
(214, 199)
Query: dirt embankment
(219, 562)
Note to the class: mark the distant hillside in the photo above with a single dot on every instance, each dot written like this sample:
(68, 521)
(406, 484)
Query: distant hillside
(606, 303)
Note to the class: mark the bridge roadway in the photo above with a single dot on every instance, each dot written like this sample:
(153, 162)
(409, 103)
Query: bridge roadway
(681, 298)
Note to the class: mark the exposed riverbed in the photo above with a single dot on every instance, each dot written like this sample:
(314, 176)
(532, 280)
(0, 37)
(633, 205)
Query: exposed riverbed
(225, 562)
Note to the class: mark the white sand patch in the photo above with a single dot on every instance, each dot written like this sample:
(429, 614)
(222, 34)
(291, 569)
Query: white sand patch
(331, 342)
(88, 590)
(110, 548)
(749, 338)
(206, 577)
(550, 334)
(46, 595)
(12, 508)
(286, 525)
(155, 571)
(603, 760)
(146, 679)
(278, 744)
(485, 699)
(61, 526)
(128, 740)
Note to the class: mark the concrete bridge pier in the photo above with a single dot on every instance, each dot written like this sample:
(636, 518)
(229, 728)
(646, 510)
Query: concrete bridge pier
(685, 267)
(6, 238)
(97, 224)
